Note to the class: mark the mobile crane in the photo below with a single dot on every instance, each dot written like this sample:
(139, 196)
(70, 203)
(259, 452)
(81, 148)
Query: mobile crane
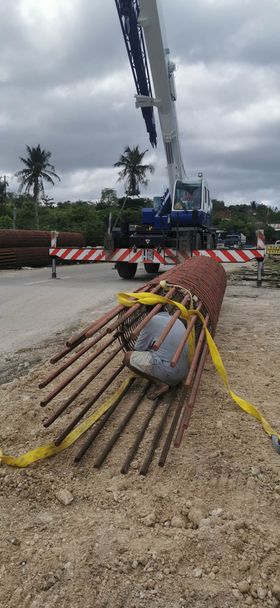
(179, 224)
(180, 220)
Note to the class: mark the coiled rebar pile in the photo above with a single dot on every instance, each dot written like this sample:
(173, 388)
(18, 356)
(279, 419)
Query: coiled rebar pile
(198, 283)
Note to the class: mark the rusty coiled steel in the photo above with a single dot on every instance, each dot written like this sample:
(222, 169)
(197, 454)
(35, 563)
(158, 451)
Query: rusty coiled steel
(199, 282)
(38, 238)
(20, 248)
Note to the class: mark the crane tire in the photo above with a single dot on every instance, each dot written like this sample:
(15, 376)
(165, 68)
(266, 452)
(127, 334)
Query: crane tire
(126, 270)
(151, 268)
(198, 241)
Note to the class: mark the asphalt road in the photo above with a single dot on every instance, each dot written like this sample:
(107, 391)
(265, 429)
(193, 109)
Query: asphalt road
(34, 307)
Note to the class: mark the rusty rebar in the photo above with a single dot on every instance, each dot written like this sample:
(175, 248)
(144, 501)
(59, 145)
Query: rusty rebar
(79, 391)
(173, 426)
(169, 325)
(76, 372)
(99, 426)
(187, 411)
(99, 323)
(74, 358)
(134, 448)
(184, 339)
(129, 312)
(93, 399)
(151, 314)
(158, 432)
(61, 354)
(121, 427)
(197, 353)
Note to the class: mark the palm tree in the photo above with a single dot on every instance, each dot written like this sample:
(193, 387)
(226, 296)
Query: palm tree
(38, 169)
(132, 170)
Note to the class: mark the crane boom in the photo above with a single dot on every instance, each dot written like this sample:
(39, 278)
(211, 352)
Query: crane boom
(162, 70)
(128, 11)
(188, 200)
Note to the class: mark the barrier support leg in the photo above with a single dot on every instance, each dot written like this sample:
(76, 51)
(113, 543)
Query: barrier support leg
(259, 276)
(54, 236)
(54, 268)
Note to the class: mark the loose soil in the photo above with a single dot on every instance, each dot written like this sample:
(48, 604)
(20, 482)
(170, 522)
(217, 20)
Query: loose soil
(201, 532)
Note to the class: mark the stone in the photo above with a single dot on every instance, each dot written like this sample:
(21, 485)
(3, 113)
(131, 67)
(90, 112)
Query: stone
(236, 593)
(195, 515)
(48, 582)
(64, 497)
(276, 589)
(244, 566)
(14, 541)
(262, 593)
(243, 586)
(197, 572)
(216, 512)
(178, 521)
(149, 520)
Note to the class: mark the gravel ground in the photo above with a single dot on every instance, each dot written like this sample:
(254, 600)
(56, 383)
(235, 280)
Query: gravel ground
(201, 532)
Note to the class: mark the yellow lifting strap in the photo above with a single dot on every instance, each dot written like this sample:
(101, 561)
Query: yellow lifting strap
(50, 449)
(150, 299)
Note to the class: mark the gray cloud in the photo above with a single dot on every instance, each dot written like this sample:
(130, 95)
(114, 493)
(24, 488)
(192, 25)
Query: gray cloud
(66, 84)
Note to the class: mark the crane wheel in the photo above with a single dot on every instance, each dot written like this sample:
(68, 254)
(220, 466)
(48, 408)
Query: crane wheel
(198, 241)
(151, 268)
(126, 270)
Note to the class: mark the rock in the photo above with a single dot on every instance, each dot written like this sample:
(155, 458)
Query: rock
(249, 600)
(14, 541)
(149, 520)
(244, 566)
(48, 582)
(212, 576)
(262, 593)
(243, 586)
(65, 497)
(178, 521)
(236, 593)
(239, 524)
(255, 471)
(150, 584)
(216, 512)
(215, 569)
(195, 515)
(197, 572)
(276, 589)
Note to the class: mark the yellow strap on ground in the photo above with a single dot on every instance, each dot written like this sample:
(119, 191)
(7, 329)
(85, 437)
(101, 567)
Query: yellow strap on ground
(150, 299)
(49, 449)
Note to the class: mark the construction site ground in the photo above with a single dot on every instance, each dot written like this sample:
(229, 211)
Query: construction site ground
(201, 532)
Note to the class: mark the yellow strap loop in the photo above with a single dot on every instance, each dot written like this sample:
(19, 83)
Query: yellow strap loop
(49, 449)
(128, 299)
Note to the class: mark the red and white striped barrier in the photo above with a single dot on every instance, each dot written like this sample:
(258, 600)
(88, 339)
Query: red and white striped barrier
(231, 255)
(96, 254)
(166, 256)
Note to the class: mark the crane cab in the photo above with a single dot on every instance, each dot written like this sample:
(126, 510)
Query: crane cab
(191, 203)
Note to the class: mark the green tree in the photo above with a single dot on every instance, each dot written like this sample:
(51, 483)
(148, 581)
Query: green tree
(132, 170)
(38, 169)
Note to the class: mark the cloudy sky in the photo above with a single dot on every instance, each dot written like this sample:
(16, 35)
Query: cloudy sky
(66, 84)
